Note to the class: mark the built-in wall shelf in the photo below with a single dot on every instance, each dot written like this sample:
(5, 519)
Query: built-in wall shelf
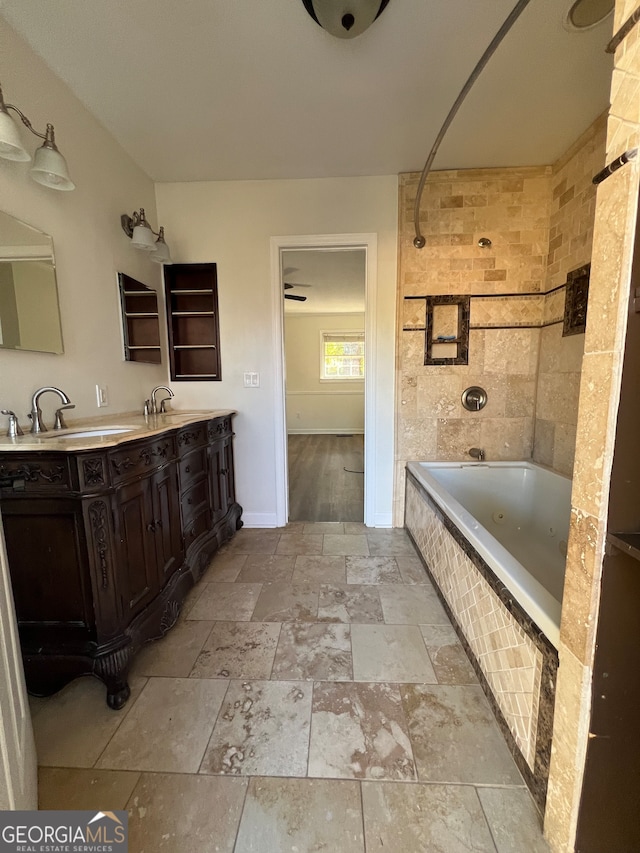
(629, 543)
(140, 321)
(192, 320)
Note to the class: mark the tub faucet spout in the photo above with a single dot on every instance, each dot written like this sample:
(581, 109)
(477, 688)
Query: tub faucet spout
(477, 453)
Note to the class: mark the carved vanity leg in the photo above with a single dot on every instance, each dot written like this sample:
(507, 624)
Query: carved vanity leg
(118, 691)
(113, 669)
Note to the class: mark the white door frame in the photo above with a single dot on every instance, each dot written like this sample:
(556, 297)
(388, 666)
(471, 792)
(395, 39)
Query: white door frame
(368, 242)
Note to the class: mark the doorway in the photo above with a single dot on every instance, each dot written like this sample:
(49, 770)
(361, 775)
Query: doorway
(324, 347)
(352, 449)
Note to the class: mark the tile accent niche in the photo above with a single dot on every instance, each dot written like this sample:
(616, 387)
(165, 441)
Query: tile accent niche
(540, 223)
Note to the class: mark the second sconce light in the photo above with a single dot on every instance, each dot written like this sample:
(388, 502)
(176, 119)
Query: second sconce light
(142, 236)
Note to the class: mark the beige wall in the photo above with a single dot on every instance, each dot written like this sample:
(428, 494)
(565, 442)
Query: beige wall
(614, 230)
(231, 223)
(89, 245)
(572, 211)
(312, 405)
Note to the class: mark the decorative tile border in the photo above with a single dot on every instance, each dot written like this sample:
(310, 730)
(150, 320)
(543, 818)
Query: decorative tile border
(494, 311)
(514, 661)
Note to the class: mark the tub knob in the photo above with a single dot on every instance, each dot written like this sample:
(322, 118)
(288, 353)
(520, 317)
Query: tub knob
(474, 398)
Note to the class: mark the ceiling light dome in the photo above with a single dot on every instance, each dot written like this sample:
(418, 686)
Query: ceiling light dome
(585, 14)
(345, 19)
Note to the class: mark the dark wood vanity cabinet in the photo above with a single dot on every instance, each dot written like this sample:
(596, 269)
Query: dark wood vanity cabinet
(103, 545)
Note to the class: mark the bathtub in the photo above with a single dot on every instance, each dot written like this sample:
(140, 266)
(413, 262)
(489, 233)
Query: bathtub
(516, 515)
(493, 538)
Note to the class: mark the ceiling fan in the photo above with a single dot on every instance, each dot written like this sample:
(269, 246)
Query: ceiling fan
(293, 295)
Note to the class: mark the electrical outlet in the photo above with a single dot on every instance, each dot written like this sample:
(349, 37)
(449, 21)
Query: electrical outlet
(102, 395)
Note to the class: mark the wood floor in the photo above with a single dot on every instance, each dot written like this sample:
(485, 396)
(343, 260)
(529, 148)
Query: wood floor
(319, 487)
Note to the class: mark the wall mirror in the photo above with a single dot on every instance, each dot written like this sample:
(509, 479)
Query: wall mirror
(29, 310)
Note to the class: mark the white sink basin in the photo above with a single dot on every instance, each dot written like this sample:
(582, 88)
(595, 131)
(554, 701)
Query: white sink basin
(92, 432)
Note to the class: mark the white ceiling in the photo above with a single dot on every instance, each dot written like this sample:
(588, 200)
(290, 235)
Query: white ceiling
(254, 89)
(333, 280)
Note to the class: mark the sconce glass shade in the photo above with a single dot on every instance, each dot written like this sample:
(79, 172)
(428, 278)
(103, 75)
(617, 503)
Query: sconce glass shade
(50, 168)
(160, 253)
(143, 237)
(11, 147)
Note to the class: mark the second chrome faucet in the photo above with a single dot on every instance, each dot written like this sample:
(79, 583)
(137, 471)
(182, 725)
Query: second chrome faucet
(151, 405)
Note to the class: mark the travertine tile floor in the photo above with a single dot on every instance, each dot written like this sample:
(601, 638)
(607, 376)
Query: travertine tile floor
(312, 697)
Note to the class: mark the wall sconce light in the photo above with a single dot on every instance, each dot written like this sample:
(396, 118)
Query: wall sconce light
(141, 233)
(345, 19)
(49, 166)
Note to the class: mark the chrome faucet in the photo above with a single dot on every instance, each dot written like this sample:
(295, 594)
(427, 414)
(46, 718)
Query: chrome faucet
(37, 424)
(477, 453)
(154, 403)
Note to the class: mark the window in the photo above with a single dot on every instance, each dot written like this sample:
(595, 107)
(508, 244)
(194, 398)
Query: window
(342, 355)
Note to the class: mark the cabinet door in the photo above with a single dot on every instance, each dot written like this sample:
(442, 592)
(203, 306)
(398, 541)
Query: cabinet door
(166, 522)
(138, 561)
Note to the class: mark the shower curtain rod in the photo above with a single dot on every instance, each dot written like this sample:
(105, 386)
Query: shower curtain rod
(419, 241)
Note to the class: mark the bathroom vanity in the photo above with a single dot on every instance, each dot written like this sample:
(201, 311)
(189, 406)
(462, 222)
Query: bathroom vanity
(106, 534)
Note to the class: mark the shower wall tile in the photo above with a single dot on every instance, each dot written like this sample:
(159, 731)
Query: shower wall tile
(614, 230)
(585, 553)
(596, 419)
(540, 223)
(508, 311)
(511, 207)
(572, 213)
(611, 255)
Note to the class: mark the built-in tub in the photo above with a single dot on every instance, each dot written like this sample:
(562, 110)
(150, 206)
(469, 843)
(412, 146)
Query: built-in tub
(493, 537)
(516, 515)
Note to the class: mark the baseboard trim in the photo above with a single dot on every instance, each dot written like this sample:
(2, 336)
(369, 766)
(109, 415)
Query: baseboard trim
(334, 431)
(383, 519)
(259, 519)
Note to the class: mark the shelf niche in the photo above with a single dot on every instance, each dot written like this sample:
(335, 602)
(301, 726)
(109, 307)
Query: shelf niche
(140, 321)
(191, 292)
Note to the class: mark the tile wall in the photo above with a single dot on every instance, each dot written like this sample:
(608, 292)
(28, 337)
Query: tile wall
(613, 241)
(511, 207)
(518, 210)
(572, 211)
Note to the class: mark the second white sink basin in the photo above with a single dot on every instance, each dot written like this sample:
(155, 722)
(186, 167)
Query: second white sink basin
(93, 432)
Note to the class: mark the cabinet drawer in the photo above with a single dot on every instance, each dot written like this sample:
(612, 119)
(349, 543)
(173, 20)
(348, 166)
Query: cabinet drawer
(34, 472)
(189, 437)
(193, 467)
(194, 501)
(219, 427)
(195, 528)
(136, 459)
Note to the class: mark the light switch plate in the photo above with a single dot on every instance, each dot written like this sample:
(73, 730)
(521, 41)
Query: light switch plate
(102, 396)
(252, 380)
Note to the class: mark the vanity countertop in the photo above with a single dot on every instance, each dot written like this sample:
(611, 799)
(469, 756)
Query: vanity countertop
(137, 426)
